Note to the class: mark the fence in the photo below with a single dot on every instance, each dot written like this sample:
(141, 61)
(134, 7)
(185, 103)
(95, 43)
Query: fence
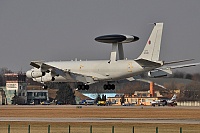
(90, 129)
(189, 103)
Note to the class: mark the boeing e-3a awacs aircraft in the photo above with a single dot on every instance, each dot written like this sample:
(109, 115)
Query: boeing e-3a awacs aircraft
(113, 69)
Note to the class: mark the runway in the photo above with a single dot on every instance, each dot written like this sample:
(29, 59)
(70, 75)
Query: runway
(116, 120)
(100, 114)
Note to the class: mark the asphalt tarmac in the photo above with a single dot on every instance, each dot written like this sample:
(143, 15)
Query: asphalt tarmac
(115, 120)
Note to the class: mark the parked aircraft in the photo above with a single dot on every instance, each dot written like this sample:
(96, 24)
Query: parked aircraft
(171, 102)
(164, 102)
(111, 70)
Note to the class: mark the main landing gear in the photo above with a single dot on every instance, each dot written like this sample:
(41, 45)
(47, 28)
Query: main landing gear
(109, 87)
(83, 87)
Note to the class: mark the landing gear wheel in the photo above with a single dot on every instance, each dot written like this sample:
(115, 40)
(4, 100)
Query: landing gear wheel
(83, 87)
(105, 87)
(45, 87)
(112, 86)
(86, 87)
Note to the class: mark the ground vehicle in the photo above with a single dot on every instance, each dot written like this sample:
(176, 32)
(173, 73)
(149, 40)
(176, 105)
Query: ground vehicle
(32, 102)
(101, 103)
(87, 102)
(59, 103)
(45, 103)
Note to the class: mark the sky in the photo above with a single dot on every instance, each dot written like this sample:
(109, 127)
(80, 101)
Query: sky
(54, 30)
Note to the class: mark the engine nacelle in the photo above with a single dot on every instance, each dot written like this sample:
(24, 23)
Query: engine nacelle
(44, 79)
(34, 73)
(48, 79)
(159, 73)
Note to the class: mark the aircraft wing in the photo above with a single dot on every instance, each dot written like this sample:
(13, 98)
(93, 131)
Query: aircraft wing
(87, 78)
(45, 67)
(36, 64)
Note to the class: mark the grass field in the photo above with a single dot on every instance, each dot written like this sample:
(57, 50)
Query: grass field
(22, 127)
(98, 112)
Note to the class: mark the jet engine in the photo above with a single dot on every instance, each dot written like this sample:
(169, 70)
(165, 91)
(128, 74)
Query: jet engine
(34, 73)
(159, 73)
(46, 78)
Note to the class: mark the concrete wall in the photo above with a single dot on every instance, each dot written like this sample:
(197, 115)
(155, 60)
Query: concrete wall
(189, 103)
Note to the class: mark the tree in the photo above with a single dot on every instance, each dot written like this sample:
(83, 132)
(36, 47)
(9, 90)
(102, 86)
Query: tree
(17, 99)
(98, 98)
(196, 77)
(14, 99)
(188, 76)
(2, 80)
(122, 100)
(178, 74)
(171, 86)
(65, 94)
(192, 91)
(2, 77)
(103, 98)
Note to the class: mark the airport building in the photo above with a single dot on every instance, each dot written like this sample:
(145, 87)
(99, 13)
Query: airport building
(36, 95)
(137, 98)
(15, 85)
(17, 91)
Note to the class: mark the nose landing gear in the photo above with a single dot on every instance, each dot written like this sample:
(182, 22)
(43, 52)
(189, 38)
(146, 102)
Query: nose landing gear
(45, 87)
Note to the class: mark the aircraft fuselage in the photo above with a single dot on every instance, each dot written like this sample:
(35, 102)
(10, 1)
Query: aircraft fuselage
(102, 70)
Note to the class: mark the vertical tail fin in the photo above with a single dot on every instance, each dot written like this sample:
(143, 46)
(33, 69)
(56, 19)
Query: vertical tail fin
(174, 97)
(151, 51)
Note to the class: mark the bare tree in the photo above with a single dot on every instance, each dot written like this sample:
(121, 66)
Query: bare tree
(196, 77)
(178, 74)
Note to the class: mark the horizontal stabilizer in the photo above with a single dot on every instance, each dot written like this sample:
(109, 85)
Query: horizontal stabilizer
(147, 63)
(185, 65)
(179, 61)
